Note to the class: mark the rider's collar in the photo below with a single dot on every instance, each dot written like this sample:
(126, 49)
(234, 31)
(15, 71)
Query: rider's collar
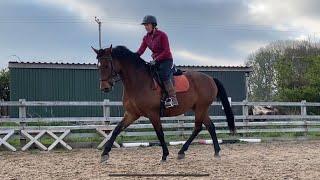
(153, 32)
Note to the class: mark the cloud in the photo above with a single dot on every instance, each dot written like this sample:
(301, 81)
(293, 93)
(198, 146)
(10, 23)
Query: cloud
(84, 9)
(191, 58)
(204, 32)
(257, 8)
(295, 16)
(301, 37)
(246, 47)
(89, 9)
(272, 11)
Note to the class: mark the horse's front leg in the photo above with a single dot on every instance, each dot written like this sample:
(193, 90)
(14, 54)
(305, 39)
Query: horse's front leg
(155, 120)
(124, 123)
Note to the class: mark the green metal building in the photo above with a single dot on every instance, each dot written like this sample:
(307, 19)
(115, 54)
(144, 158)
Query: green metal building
(36, 81)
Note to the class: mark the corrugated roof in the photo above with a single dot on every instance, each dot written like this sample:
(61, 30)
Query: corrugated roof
(66, 65)
(62, 63)
(213, 66)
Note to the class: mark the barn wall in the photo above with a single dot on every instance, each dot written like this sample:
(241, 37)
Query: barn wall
(54, 84)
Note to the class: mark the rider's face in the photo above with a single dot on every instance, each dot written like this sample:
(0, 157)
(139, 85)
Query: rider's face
(148, 27)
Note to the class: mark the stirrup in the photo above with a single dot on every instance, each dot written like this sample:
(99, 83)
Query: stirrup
(168, 103)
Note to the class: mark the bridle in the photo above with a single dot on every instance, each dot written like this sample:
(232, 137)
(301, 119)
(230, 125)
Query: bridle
(114, 76)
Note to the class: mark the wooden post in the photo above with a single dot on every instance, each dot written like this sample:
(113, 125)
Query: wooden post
(2, 109)
(1, 100)
(245, 113)
(22, 116)
(247, 85)
(303, 114)
(106, 111)
(181, 126)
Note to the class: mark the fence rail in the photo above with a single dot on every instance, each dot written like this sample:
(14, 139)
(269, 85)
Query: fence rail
(179, 125)
(106, 104)
(22, 102)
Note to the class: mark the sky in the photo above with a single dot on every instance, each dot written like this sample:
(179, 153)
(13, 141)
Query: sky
(201, 32)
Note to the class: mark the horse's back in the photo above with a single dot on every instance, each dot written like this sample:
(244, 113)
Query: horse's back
(203, 84)
(201, 93)
(199, 78)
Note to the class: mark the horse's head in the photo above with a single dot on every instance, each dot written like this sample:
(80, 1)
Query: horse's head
(106, 68)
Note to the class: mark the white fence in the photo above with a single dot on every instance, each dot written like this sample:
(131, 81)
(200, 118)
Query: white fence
(244, 120)
(179, 125)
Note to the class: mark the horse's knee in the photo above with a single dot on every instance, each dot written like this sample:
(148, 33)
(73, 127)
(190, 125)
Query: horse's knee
(207, 123)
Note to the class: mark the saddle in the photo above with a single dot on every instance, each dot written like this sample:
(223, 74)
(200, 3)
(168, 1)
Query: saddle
(180, 81)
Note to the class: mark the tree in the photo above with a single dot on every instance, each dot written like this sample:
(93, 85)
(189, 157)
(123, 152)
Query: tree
(4, 85)
(298, 79)
(262, 80)
(283, 70)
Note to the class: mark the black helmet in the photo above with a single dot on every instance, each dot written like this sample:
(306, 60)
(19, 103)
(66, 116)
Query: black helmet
(149, 19)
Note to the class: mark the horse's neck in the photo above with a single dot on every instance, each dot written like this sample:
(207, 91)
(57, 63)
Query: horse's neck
(135, 80)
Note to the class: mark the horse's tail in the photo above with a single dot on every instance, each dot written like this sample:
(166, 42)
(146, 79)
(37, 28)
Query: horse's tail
(222, 94)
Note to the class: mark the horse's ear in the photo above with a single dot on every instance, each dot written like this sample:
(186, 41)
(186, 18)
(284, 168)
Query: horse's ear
(95, 50)
(108, 50)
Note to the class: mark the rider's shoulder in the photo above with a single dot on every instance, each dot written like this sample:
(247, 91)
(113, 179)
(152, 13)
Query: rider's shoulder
(145, 37)
(161, 32)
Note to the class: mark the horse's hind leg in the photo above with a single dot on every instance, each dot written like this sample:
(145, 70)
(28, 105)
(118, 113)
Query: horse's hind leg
(212, 130)
(126, 121)
(200, 113)
(197, 129)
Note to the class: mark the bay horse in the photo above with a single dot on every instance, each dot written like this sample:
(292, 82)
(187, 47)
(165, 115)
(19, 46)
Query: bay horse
(139, 99)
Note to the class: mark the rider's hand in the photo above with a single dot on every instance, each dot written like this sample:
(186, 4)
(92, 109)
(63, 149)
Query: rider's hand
(153, 56)
(153, 62)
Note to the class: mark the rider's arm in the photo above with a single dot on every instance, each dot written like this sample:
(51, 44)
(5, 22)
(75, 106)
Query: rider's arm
(143, 47)
(166, 48)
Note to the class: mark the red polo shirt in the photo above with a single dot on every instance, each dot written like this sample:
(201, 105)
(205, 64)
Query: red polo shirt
(158, 43)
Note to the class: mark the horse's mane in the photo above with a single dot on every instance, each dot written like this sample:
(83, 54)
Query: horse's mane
(123, 54)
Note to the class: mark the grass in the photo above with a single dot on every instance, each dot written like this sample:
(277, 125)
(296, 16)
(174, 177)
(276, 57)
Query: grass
(47, 140)
(9, 124)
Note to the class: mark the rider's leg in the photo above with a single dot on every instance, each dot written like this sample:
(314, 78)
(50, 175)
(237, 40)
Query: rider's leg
(165, 73)
(172, 98)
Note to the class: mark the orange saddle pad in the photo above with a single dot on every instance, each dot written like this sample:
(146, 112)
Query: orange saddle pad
(181, 84)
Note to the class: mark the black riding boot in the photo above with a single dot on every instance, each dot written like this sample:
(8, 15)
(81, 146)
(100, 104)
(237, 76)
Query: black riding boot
(171, 101)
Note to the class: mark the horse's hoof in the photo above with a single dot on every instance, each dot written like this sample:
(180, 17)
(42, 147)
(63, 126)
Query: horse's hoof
(163, 161)
(181, 156)
(216, 155)
(104, 159)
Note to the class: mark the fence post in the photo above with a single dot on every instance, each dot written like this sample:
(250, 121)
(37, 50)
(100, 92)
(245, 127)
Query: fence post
(181, 126)
(2, 109)
(304, 114)
(245, 113)
(22, 116)
(247, 75)
(106, 111)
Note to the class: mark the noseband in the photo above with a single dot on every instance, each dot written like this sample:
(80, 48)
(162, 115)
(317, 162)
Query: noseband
(115, 76)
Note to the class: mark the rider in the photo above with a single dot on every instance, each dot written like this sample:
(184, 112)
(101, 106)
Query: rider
(157, 41)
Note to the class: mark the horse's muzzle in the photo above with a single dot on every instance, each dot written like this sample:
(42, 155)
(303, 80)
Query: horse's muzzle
(106, 90)
(105, 86)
